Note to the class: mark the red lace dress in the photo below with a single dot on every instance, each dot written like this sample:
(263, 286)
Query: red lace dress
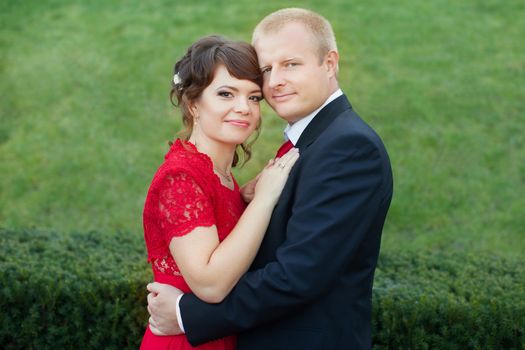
(184, 194)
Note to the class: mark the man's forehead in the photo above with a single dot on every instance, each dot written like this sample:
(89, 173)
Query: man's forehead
(280, 54)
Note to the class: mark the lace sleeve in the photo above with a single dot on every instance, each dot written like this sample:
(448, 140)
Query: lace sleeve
(183, 206)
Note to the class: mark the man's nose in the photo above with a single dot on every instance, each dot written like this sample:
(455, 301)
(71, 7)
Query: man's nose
(275, 78)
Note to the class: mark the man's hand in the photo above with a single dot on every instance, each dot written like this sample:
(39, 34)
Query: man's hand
(162, 307)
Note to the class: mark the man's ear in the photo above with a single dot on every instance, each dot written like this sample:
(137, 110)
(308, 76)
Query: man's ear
(331, 62)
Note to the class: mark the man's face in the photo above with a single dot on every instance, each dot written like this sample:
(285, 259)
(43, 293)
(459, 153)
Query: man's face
(296, 81)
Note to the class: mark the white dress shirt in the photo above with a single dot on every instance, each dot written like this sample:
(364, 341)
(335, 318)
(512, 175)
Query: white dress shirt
(293, 131)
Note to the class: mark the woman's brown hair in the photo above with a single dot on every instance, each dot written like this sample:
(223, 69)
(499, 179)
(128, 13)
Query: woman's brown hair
(196, 70)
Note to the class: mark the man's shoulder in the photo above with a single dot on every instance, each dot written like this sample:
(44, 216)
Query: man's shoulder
(349, 129)
(348, 123)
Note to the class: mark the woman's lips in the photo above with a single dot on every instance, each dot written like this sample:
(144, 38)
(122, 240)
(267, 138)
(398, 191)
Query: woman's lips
(239, 123)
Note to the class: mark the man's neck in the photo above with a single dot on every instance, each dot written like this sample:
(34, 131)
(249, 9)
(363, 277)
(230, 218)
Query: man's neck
(294, 130)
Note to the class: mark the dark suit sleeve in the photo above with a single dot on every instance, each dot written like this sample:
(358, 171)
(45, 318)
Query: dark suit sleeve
(338, 194)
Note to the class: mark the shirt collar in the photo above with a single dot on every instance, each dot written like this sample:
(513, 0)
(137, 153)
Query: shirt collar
(293, 131)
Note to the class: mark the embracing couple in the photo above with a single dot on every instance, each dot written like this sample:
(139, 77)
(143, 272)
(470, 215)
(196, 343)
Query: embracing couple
(287, 261)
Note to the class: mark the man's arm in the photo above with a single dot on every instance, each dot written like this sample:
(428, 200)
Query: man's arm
(340, 194)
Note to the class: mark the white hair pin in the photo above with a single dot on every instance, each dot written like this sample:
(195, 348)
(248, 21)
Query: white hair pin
(176, 79)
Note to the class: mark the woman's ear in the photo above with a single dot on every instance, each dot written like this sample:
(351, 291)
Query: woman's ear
(194, 110)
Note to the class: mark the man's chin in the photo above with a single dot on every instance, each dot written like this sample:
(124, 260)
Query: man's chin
(287, 116)
(284, 113)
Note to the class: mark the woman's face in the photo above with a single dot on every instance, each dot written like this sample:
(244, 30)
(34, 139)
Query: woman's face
(228, 110)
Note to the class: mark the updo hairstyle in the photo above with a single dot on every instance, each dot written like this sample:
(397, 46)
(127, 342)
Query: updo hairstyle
(196, 70)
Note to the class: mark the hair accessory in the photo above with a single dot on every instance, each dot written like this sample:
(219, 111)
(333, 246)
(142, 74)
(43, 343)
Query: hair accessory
(176, 79)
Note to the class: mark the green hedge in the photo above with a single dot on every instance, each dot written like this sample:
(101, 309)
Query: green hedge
(87, 290)
(81, 290)
(448, 301)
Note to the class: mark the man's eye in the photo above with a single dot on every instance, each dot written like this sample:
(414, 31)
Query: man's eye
(265, 70)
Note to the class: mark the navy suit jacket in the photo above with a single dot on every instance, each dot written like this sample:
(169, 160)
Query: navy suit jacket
(310, 286)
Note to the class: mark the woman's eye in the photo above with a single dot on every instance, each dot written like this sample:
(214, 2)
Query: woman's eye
(225, 94)
(256, 98)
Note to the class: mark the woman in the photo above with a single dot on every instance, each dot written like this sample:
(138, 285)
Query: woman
(200, 234)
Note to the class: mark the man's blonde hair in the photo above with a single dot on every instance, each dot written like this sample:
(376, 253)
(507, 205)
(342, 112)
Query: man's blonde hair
(318, 26)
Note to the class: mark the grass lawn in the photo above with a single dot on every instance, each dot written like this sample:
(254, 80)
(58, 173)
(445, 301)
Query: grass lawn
(85, 116)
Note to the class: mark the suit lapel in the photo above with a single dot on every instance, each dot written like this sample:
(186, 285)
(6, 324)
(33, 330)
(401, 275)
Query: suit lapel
(277, 229)
(322, 120)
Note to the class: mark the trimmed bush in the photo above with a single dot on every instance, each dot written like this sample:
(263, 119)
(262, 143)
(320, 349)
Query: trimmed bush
(87, 290)
(448, 301)
(81, 290)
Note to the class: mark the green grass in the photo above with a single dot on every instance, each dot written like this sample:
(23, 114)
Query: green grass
(85, 118)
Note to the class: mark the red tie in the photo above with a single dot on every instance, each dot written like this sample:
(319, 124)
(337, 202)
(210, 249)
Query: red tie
(285, 147)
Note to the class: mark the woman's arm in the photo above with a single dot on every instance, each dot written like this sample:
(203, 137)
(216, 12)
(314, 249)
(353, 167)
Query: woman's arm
(212, 268)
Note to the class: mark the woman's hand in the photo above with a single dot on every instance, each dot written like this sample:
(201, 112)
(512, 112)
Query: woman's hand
(248, 190)
(270, 182)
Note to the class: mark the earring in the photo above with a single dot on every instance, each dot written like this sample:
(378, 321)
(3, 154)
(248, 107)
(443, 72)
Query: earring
(195, 124)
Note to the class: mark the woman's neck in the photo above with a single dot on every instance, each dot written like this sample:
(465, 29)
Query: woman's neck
(221, 154)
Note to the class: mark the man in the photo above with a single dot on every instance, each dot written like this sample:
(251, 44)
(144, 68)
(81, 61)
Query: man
(310, 286)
